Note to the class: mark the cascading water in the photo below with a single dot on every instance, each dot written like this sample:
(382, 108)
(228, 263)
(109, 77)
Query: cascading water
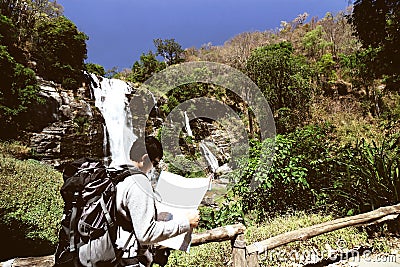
(187, 125)
(110, 98)
(211, 159)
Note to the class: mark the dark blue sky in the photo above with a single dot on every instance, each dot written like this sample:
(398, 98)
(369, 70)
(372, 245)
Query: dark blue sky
(121, 30)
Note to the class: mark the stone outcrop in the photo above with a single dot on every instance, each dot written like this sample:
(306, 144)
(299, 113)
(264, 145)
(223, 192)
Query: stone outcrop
(66, 127)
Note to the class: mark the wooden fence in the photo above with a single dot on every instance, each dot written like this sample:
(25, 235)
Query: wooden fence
(247, 255)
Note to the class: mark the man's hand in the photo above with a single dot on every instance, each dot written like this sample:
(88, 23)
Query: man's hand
(193, 218)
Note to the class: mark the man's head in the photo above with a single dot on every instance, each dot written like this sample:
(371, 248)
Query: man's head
(146, 152)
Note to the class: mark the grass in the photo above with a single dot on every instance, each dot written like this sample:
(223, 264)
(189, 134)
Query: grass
(219, 254)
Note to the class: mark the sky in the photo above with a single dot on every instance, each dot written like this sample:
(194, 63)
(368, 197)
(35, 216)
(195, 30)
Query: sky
(121, 30)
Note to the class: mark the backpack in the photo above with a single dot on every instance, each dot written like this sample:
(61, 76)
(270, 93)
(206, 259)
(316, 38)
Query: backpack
(88, 227)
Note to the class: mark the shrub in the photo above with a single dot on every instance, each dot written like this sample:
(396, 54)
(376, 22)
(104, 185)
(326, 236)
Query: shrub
(15, 150)
(370, 175)
(30, 207)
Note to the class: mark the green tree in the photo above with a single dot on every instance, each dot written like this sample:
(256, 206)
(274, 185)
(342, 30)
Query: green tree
(377, 24)
(284, 79)
(95, 69)
(60, 52)
(314, 43)
(145, 67)
(25, 15)
(170, 50)
(325, 67)
(18, 90)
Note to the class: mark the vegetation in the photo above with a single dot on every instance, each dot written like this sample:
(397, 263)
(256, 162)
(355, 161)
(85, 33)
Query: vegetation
(219, 254)
(381, 18)
(35, 40)
(332, 84)
(30, 203)
(284, 79)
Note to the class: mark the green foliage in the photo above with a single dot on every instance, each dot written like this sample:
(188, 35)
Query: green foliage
(60, 52)
(229, 211)
(145, 68)
(284, 79)
(25, 15)
(14, 149)
(18, 91)
(30, 206)
(312, 170)
(299, 172)
(314, 43)
(371, 178)
(8, 32)
(170, 50)
(95, 69)
(377, 24)
(326, 68)
(355, 68)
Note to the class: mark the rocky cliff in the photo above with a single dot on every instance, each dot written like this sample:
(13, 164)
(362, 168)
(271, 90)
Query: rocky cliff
(67, 126)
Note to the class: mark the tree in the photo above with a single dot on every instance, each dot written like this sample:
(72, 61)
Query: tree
(377, 24)
(284, 80)
(60, 52)
(314, 43)
(145, 67)
(95, 69)
(26, 14)
(170, 50)
(18, 90)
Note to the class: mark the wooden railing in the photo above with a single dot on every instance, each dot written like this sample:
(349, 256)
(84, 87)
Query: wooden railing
(247, 255)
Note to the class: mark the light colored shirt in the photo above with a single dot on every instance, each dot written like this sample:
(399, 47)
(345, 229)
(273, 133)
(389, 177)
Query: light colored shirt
(135, 203)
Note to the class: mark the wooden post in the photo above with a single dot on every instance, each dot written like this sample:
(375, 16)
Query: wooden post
(252, 260)
(239, 251)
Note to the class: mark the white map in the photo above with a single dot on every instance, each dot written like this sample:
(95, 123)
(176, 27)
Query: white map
(177, 196)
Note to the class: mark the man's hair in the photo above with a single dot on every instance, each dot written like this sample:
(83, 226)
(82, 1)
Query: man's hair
(150, 145)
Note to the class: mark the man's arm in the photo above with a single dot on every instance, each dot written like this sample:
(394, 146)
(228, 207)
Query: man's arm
(140, 203)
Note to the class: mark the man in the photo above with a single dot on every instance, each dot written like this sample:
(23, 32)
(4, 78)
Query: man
(136, 208)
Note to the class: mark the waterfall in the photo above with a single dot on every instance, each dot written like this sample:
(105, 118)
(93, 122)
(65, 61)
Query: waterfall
(110, 98)
(187, 125)
(211, 159)
(105, 146)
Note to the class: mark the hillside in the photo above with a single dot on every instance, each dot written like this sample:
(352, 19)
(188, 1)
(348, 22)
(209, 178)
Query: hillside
(332, 88)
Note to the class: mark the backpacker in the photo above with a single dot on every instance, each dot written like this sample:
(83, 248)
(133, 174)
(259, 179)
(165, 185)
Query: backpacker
(88, 228)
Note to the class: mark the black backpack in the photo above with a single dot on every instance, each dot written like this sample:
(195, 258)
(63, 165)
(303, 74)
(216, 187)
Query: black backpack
(88, 227)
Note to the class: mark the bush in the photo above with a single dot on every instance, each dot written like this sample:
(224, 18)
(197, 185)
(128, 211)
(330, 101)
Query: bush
(30, 207)
(301, 170)
(15, 150)
(312, 170)
(370, 175)
(284, 78)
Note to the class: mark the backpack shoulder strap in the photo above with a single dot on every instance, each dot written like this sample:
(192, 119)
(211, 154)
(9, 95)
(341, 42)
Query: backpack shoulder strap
(125, 171)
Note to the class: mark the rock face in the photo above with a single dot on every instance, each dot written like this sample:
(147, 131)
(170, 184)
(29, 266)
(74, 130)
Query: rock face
(67, 127)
